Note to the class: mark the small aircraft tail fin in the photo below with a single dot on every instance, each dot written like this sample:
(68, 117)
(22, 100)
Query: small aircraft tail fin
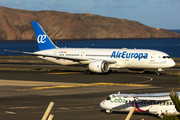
(44, 42)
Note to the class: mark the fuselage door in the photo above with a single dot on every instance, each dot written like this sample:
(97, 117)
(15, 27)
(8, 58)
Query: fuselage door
(153, 57)
(130, 63)
(82, 54)
(55, 52)
(160, 60)
(155, 60)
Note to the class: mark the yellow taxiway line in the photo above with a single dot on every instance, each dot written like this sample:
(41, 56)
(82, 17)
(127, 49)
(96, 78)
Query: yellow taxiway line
(84, 85)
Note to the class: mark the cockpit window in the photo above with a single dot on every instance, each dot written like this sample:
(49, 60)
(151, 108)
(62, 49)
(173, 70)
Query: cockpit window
(108, 98)
(166, 57)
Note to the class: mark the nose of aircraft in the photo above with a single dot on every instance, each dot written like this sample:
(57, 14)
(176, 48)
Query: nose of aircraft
(102, 104)
(172, 63)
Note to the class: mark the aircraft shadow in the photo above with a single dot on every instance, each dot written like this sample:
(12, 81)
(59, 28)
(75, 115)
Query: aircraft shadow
(126, 113)
(110, 72)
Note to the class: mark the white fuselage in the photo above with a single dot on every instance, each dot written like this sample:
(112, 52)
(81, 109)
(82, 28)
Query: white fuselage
(125, 104)
(124, 58)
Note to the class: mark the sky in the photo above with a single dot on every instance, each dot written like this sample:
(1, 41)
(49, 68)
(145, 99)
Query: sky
(154, 13)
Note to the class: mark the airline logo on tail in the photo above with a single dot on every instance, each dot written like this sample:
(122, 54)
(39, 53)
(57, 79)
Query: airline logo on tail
(44, 42)
(41, 38)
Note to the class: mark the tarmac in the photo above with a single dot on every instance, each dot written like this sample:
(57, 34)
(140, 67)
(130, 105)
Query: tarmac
(26, 92)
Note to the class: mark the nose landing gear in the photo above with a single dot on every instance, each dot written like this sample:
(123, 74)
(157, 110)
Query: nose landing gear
(108, 112)
(159, 71)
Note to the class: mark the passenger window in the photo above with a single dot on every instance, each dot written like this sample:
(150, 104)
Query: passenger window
(152, 102)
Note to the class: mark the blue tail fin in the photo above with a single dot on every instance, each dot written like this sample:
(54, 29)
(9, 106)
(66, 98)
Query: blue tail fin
(44, 42)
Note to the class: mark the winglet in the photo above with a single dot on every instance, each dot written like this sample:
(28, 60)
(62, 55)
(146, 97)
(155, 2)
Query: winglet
(44, 42)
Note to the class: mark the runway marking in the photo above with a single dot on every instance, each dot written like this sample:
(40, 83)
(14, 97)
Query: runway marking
(31, 83)
(25, 107)
(83, 85)
(91, 107)
(62, 108)
(79, 107)
(150, 79)
(61, 73)
(9, 112)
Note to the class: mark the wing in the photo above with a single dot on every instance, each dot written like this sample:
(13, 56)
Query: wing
(165, 98)
(54, 56)
(77, 59)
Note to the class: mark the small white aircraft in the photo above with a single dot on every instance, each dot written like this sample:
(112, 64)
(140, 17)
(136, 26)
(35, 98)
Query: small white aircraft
(155, 103)
(99, 60)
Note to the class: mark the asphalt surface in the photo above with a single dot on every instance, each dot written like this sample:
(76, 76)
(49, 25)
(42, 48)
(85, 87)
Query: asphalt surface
(25, 95)
(28, 84)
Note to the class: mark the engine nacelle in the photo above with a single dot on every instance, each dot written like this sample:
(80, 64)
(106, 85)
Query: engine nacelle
(99, 66)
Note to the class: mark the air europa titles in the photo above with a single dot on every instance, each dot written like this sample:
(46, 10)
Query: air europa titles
(125, 54)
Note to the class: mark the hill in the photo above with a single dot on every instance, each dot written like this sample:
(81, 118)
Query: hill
(15, 24)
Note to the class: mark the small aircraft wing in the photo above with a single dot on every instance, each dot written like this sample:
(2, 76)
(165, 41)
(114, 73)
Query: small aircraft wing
(58, 57)
(165, 98)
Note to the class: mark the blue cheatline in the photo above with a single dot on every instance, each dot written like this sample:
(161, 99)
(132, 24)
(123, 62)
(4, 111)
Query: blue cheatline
(44, 42)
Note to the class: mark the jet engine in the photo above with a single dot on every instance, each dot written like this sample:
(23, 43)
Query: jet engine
(99, 66)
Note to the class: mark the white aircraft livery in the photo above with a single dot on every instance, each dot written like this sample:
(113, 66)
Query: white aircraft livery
(155, 103)
(98, 60)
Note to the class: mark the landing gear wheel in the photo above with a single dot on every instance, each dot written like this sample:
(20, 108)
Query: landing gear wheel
(109, 112)
(159, 73)
(162, 115)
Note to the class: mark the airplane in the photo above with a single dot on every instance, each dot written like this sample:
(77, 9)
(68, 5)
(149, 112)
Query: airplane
(98, 60)
(155, 103)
